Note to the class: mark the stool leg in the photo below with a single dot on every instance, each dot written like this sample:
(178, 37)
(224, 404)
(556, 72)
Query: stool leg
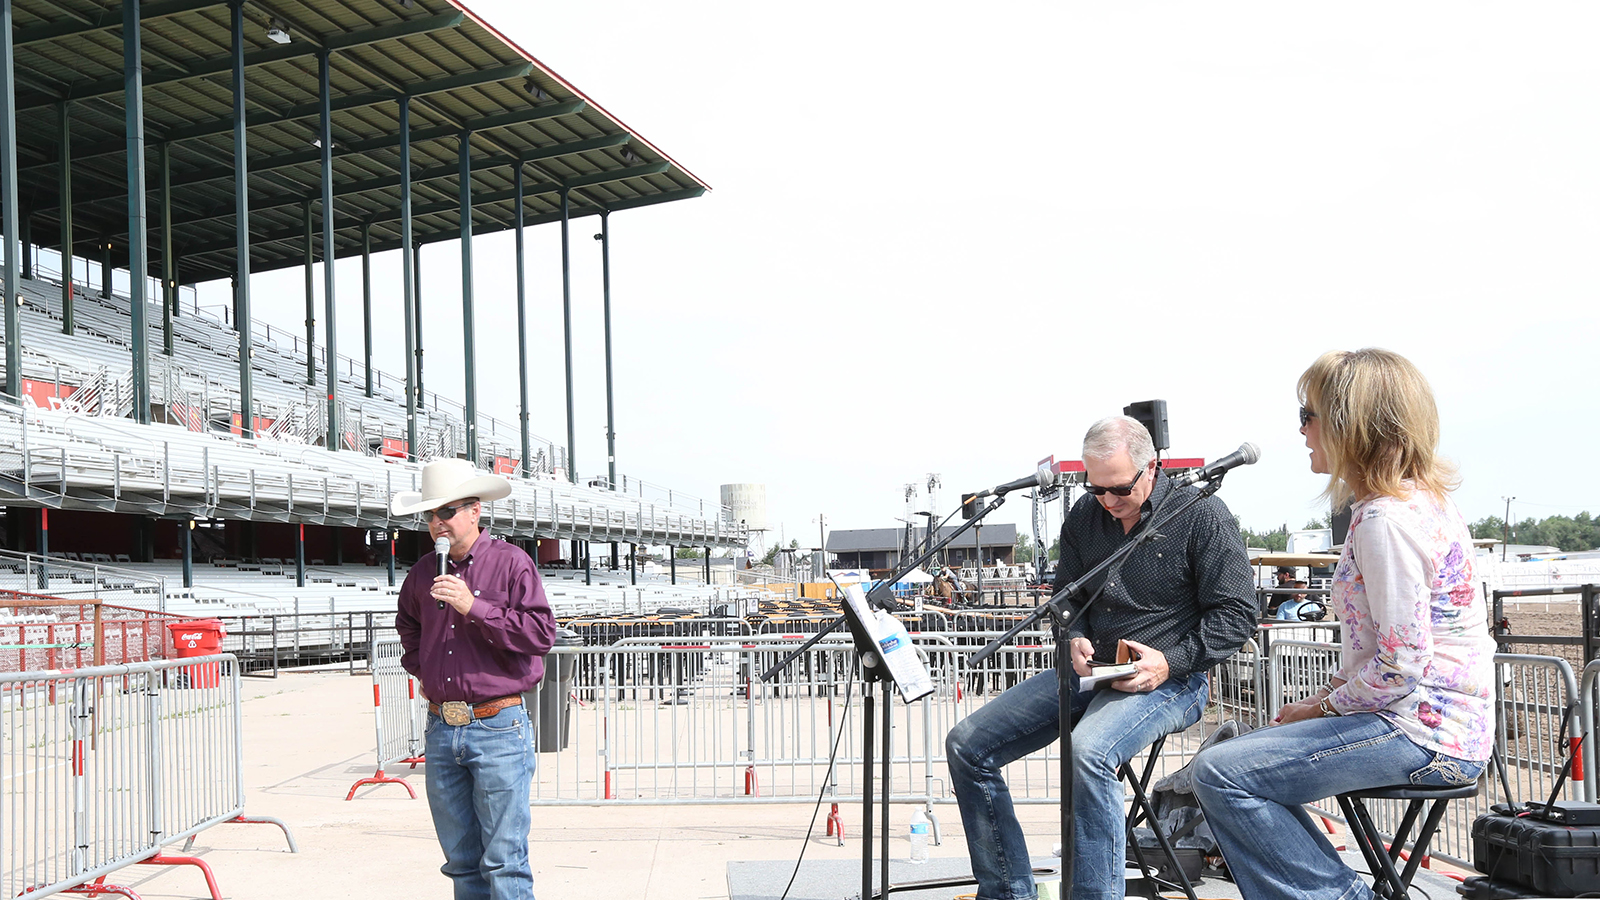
(1419, 849)
(1142, 802)
(1386, 881)
(1357, 822)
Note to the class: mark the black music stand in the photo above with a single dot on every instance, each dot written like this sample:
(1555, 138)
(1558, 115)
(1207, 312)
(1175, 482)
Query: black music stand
(876, 678)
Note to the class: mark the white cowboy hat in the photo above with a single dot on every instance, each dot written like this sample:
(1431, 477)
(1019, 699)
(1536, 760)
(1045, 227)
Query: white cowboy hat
(445, 481)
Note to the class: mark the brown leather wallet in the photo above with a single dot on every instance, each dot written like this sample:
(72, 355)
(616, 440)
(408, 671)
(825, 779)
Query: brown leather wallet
(455, 712)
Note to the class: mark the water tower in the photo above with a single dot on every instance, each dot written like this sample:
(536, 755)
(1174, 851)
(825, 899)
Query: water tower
(749, 505)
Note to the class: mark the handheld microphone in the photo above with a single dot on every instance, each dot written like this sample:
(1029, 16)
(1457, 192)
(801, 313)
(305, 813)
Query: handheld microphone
(1246, 455)
(1045, 477)
(441, 549)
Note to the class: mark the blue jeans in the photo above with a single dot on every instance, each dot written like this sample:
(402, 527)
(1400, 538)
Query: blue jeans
(1252, 788)
(1111, 726)
(478, 778)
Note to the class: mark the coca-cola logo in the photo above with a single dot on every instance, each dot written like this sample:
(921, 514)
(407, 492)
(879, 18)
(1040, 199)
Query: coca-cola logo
(192, 637)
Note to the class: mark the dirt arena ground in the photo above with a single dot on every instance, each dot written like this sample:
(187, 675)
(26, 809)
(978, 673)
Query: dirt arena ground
(1532, 619)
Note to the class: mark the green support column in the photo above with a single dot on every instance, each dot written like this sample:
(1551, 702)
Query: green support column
(166, 247)
(65, 180)
(25, 235)
(241, 230)
(138, 250)
(105, 270)
(464, 188)
(416, 264)
(407, 250)
(605, 280)
(366, 299)
(566, 318)
(330, 330)
(8, 201)
(522, 323)
(311, 310)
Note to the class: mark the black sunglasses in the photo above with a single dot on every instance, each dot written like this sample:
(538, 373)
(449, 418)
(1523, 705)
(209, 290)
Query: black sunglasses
(1096, 490)
(446, 513)
(1306, 415)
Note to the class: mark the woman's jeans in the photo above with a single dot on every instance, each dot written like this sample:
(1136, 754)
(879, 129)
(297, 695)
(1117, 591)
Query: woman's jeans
(479, 776)
(1252, 788)
(1112, 726)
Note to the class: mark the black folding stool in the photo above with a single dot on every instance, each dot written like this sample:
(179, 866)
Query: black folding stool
(1387, 881)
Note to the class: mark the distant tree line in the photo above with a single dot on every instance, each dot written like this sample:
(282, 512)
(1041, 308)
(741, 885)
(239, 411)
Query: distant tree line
(1570, 533)
(1277, 540)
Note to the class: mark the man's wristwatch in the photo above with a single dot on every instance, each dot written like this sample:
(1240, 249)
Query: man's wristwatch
(1325, 708)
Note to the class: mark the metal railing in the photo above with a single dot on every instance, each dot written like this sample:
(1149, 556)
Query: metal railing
(103, 767)
(56, 576)
(399, 716)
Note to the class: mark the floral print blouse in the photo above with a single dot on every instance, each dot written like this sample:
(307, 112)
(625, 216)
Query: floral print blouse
(1417, 649)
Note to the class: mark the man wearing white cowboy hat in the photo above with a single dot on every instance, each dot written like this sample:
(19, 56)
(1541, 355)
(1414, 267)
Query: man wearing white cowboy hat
(475, 638)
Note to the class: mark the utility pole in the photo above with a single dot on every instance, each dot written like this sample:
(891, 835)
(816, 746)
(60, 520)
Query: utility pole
(821, 564)
(1505, 542)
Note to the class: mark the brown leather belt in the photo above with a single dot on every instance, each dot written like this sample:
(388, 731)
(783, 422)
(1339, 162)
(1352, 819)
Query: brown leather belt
(459, 712)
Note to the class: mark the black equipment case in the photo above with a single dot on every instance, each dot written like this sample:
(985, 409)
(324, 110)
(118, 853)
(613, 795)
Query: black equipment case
(1555, 860)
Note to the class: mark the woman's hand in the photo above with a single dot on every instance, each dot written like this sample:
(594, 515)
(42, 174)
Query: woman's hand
(1305, 709)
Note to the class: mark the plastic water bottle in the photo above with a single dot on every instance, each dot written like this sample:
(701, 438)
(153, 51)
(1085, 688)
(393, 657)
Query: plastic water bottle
(919, 836)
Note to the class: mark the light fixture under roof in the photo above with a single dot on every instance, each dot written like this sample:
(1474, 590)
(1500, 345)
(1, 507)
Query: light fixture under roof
(535, 91)
(630, 157)
(277, 31)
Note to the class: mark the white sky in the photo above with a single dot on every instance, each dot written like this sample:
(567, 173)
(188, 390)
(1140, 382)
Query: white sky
(946, 238)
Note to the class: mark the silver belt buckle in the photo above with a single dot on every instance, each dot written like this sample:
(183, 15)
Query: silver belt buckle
(456, 712)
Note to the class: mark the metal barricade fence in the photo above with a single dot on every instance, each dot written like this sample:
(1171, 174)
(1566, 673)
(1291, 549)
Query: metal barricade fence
(77, 784)
(399, 716)
(102, 767)
(198, 744)
(668, 722)
(649, 720)
(606, 630)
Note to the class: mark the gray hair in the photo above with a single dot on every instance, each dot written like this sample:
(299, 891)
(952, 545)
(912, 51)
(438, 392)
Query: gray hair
(1114, 433)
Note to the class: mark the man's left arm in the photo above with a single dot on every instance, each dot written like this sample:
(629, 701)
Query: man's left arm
(1223, 592)
(524, 624)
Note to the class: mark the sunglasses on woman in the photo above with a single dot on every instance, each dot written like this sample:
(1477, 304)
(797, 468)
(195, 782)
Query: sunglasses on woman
(1306, 415)
(1096, 490)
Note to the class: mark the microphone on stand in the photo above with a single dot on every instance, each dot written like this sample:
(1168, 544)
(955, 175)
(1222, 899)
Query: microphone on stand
(1045, 477)
(441, 549)
(1246, 455)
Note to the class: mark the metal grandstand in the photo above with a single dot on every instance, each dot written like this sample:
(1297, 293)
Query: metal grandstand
(335, 128)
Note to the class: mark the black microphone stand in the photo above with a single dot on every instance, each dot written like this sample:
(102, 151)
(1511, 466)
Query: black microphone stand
(1056, 607)
(875, 675)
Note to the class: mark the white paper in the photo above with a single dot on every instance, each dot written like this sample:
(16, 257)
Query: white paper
(1103, 674)
(894, 646)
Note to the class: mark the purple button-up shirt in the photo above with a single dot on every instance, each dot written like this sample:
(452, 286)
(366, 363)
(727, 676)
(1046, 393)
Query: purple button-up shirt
(495, 650)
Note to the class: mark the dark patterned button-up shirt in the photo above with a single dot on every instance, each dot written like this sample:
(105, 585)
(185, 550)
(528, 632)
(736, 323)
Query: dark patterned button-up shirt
(1188, 593)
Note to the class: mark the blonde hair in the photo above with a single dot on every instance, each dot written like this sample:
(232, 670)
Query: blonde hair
(1380, 427)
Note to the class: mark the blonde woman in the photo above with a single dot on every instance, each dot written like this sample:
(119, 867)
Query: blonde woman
(1411, 702)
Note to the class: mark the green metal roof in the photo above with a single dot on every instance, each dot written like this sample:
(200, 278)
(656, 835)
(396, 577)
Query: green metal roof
(460, 73)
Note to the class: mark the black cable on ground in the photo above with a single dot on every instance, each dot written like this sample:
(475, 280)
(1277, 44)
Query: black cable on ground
(849, 689)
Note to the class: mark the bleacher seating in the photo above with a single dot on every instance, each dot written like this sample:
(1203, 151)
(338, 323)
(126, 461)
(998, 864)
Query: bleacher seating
(235, 588)
(78, 450)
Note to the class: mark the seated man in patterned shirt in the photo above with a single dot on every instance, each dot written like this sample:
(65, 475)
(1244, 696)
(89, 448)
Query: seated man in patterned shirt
(1181, 604)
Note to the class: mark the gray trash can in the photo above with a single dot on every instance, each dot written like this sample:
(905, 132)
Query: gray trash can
(551, 699)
